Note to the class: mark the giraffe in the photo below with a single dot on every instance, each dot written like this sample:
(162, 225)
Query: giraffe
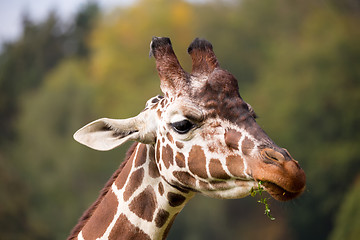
(200, 137)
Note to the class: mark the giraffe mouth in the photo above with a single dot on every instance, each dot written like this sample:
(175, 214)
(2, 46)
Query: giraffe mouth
(280, 175)
(279, 193)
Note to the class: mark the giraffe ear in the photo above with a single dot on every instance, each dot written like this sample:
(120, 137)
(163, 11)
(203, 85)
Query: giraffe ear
(105, 134)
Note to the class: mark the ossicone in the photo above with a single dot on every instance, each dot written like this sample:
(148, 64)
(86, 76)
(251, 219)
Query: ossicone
(204, 60)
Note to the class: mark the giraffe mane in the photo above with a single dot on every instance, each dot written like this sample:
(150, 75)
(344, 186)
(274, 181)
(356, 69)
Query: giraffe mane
(89, 212)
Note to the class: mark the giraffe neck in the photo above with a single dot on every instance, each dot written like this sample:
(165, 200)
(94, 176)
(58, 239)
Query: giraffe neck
(139, 204)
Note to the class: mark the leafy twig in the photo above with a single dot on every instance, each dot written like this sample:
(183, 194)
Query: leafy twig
(263, 200)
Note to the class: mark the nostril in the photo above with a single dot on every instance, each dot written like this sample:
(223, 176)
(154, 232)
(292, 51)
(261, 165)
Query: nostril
(273, 155)
(270, 156)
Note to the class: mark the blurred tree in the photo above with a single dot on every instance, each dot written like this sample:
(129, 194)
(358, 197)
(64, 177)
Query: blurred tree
(14, 218)
(48, 120)
(23, 65)
(348, 220)
(77, 36)
(120, 44)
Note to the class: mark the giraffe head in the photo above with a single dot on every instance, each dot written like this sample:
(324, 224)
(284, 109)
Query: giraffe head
(205, 135)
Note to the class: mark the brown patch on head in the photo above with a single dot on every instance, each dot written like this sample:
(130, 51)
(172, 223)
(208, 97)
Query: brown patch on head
(220, 97)
(180, 159)
(216, 170)
(162, 103)
(180, 145)
(135, 181)
(167, 156)
(104, 214)
(175, 199)
(124, 229)
(232, 138)
(197, 161)
(166, 101)
(169, 137)
(161, 218)
(158, 113)
(212, 147)
(247, 146)
(144, 204)
(185, 178)
(235, 165)
(215, 145)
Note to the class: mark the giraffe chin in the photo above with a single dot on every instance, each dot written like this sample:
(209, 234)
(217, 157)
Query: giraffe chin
(239, 189)
(279, 193)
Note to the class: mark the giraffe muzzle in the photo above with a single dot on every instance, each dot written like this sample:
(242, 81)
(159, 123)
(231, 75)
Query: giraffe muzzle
(280, 174)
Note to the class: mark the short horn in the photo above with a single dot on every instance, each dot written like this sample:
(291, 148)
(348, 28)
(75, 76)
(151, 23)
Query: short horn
(172, 76)
(203, 57)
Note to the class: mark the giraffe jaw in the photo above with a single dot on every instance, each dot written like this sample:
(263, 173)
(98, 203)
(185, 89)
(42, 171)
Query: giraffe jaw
(239, 189)
(243, 189)
(280, 193)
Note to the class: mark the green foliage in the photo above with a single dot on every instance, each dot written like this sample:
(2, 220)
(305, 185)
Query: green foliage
(23, 65)
(258, 191)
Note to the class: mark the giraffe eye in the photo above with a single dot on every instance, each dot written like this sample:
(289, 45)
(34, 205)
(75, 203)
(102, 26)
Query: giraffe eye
(183, 126)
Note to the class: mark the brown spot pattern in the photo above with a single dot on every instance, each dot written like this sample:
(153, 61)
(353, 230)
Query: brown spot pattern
(232, 138)
(157, 151)
(153, 170)
(161, 189)
(120, 181)
(144, 204)
(104, 214)
(216, 170)
(180, 159)
(170, 138)
(161, 218)
(180, 145)
(175, 199)
(167, 156)
(185, 178)
(141, 156)
(197, 162)
(124, 230)
(247, 146)
(152, 154)
(219, 185)
(204, 185)
(235, 165)
(135, 181)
